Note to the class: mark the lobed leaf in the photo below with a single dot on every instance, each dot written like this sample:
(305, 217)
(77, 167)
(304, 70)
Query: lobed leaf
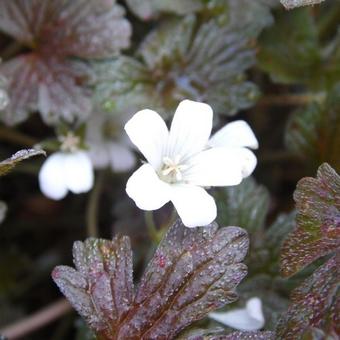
(9, 163)
(48, 80)
(174, 67)
(250, 16)
(314, 132)
(123, 85)
(314, 304)
(193, 272)
(100, 288)
(82, 28)
(289, 50)
(318, 221)
(53, 86)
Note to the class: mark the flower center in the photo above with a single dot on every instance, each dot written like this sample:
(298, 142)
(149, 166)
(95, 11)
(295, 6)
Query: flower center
(69, 143)
(171, 170)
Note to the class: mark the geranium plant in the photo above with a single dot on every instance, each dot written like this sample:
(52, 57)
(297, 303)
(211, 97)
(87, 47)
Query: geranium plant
(178, 169)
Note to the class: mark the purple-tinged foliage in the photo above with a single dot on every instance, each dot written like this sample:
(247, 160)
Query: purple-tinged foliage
(317, 231)
(46, 80)
(101, 287)
(316, 303)
(193, 272)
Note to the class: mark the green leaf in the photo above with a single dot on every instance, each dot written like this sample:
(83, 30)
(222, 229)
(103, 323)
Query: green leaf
(314, 304)
(173, 67)
(277, 232)
(8, 164)
(248, 15)
(313, 133)
(317, 230)
(123, 85)
(245, 205)
(193, 272)
(289, 50)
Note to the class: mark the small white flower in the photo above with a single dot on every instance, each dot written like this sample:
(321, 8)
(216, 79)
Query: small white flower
(183, 160)
(249, 318)
(66, 171)
(107, 147)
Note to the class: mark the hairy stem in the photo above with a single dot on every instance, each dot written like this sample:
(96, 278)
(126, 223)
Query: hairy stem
(290, 99)
(37, 320)
(92, 206)
(152, 229)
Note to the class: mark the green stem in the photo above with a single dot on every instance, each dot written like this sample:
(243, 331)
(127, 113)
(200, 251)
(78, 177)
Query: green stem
(291, 99)
(92, 206)
(152, 229)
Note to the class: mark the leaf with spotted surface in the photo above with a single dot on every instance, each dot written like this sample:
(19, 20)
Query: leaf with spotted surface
(314, 304)
(9, 163)
(170, 66)
(193, 272)
(317, 232)
(49, 78)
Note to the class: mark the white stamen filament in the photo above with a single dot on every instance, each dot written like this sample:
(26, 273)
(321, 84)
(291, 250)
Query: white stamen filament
(172, 170)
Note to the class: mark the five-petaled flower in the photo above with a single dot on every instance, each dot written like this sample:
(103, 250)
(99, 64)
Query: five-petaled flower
(182, 161)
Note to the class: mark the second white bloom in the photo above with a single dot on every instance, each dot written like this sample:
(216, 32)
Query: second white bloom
(66, 171)
(182, 161)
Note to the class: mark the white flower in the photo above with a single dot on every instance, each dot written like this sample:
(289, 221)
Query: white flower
(183, 160)
(107, 147)
(64, 171)
(249, 318)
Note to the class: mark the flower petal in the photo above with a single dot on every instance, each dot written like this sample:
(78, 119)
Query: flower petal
(217, 167)
(247, 160)
(234, 134)
(147, 130)
(121, 157)
(78, 172)
(51, 177)
(194, 205)
(254, 308)
(190, 129)
(147, 190)
(246, 319)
